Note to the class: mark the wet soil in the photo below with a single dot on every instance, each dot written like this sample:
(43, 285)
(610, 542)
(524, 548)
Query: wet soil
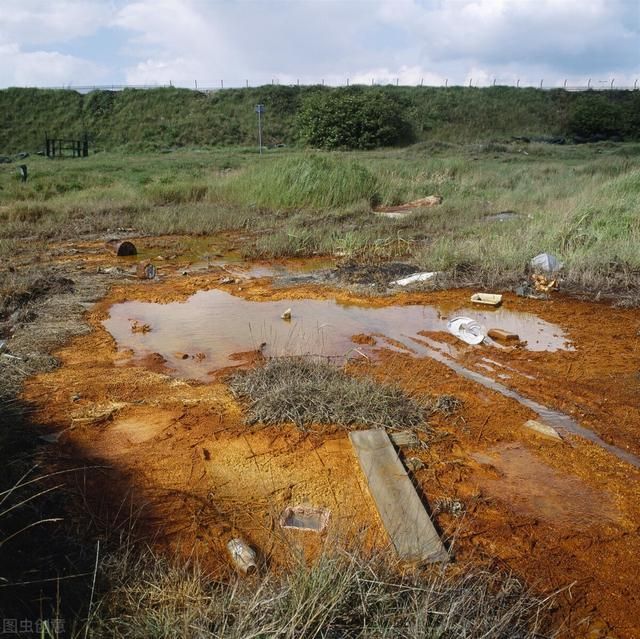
(562, 515)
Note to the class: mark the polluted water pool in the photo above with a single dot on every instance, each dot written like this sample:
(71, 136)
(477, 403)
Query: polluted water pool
(209, 330)
(213, 330)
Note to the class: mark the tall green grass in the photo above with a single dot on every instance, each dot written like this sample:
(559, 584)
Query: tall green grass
(309, 181)
(579, 202)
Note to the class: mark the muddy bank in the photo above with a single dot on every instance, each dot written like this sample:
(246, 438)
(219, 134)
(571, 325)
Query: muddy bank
(557, 513)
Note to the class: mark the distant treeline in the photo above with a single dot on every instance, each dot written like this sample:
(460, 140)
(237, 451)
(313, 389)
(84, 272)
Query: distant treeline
(351, 117)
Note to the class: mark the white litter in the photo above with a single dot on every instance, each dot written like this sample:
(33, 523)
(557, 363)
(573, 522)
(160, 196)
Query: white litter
(467, 329)
(546, 263)
(416, 277)
(543, 429)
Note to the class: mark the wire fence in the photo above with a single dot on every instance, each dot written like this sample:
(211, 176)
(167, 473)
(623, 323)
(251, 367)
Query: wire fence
(596, 85)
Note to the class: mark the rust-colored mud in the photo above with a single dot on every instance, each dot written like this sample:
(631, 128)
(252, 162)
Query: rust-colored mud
(562, 515)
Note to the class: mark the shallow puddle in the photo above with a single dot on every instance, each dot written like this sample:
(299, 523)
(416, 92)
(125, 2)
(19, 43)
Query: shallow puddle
(202, 334)
(534, 488)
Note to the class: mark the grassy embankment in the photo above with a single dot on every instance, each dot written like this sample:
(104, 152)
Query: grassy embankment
(138, 121)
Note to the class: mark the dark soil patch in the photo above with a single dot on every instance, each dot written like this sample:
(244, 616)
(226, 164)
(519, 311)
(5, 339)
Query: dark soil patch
(378, 275)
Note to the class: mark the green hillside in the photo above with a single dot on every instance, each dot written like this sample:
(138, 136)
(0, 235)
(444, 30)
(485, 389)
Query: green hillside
(169, 117)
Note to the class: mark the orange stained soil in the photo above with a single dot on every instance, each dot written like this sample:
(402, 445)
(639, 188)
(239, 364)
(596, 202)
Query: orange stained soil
(562, 515)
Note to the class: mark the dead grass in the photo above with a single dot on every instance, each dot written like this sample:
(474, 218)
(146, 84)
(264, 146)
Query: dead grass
(342, 595)
(309, 391)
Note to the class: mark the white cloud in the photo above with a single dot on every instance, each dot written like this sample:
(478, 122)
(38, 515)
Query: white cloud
(28, 26)
(46, 68)
(38, 22)
(207, 41)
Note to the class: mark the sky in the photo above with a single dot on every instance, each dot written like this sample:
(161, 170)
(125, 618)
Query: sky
(231, 42)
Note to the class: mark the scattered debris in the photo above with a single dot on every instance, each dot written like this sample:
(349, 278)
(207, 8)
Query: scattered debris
(3, 345)
(199, 357)
(377, 274)
(491, 299)
(545, 263)
(544, 284)
(446, 405)
(430, 200)
(543, 429)
(53, 438)
(502, 336)
(361, 338)
(414, 464)
(181, 355)
(305, 518)
(227, 280)
(242, 555)
(447, 505)
(503, 216)
(286, 315)
(138, 327)
(527, 290)
(413, 279)
(110, 270)
(146, 271)
(466, 329)
(122, 249)
(405, 439)
(402, 512)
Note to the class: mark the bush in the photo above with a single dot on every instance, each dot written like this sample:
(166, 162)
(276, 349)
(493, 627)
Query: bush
(352, 119)
(595, 116)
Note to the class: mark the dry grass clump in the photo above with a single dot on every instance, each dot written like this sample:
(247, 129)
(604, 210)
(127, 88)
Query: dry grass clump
(311, 391)
(446, 405)
(341, 595)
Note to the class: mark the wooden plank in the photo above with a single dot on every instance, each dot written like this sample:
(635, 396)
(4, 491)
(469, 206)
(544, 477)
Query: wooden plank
(407, 522)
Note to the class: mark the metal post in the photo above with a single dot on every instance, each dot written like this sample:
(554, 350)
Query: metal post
(446, 83)
(541, 81)
(589, 84)
(247, 81)
(565, 84)
(222, 84)
(518, 84)
(612, 81)
(259, 110)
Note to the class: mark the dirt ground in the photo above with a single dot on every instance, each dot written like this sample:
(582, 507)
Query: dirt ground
(562, 515)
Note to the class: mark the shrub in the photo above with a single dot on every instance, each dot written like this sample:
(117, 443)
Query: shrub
(595, 116)
(352, 119)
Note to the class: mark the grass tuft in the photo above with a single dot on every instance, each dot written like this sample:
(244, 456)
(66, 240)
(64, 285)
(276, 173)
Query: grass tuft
(341, 595)
(307, 391)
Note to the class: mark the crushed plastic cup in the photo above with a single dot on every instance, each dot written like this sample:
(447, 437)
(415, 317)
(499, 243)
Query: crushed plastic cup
(467, 329)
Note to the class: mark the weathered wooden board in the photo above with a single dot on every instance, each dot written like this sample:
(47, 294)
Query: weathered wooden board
(407, 522)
